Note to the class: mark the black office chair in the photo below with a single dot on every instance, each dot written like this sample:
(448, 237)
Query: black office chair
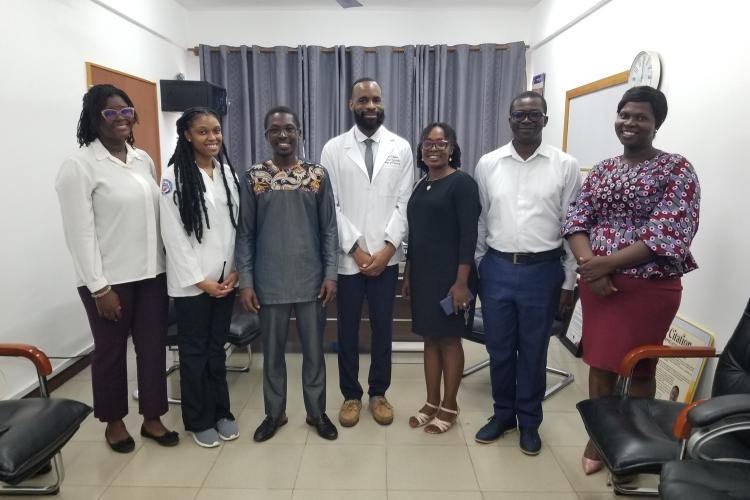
(34, 430)
(635, 435)
(243, 331)
(715, 471)
(559, 327)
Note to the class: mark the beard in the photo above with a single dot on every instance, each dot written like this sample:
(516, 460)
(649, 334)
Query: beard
(367, 123)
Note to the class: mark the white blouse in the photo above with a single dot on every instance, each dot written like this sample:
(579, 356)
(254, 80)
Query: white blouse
(190, 262)
(110, 213)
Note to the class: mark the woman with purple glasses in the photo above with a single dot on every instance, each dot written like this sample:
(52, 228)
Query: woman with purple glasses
(109, 201)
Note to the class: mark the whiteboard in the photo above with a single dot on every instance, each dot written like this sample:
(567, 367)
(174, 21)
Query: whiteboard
(590, 113)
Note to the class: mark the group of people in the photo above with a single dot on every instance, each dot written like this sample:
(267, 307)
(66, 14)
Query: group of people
(294, 235)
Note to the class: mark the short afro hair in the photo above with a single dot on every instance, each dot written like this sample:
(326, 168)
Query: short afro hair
(644, 93)
(529, 94)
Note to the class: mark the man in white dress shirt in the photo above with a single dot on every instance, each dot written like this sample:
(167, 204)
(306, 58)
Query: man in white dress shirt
(371, 170)
(525, 188)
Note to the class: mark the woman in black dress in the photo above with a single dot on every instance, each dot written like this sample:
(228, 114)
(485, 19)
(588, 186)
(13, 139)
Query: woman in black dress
(443, 213)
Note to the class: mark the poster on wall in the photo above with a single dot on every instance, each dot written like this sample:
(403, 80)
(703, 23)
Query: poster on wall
(677, 378)
(537, 84)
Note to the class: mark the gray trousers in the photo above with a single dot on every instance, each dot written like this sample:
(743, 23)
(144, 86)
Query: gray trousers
(274, 322)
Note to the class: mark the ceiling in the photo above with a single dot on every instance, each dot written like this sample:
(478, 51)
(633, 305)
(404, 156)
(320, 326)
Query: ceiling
(330, 4)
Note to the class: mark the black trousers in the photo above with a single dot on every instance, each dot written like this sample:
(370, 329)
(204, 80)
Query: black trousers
(203, 326)
(380, 293)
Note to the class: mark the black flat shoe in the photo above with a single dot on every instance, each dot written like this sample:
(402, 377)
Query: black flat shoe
(124, 446)
(169, 438)
(268, 428)
(324, 426)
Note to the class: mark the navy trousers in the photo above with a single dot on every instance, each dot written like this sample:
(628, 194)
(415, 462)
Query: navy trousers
(380, 293)
(519, 302)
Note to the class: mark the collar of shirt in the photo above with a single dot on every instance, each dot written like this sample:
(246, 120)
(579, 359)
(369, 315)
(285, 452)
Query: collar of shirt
(361, 137)
(510, 150)
(100, 152)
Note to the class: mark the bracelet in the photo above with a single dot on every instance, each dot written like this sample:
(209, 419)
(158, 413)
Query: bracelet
(99, 295)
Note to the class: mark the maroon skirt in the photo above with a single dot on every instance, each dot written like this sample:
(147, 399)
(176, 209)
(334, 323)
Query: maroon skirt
(639, 313)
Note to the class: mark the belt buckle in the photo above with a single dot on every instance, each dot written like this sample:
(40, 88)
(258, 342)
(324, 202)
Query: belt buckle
(515, 258)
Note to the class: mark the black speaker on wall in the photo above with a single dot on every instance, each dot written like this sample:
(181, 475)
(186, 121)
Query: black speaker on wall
(179, 95)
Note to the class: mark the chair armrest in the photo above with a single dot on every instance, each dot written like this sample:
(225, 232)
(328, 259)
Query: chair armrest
(718, 408)
(682, 427)
(40, 360)
(640, 353)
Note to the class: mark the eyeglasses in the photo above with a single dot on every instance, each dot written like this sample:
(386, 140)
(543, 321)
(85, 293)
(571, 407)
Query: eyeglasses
(276, 131)
(519, 116)
(112, 114)
(439, 145)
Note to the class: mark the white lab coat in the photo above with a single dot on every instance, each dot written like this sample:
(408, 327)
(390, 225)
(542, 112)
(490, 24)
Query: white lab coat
(189, 262)
(369, 213)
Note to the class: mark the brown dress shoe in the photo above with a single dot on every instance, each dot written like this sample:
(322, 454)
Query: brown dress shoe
(381, 409)
(349, 413)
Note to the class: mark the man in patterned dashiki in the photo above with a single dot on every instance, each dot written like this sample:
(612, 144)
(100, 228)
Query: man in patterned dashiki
(286, 248)
(525, 188)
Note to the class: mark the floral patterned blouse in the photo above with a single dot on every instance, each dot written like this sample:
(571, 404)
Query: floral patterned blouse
(656, 201)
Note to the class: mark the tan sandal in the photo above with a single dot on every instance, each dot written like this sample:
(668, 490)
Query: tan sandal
(439, 426)
(421, 419)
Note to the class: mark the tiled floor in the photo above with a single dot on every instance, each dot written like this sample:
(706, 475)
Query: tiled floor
(367, 462)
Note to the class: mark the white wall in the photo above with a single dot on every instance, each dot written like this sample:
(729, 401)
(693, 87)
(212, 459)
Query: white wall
(45, 46)
(705, 73)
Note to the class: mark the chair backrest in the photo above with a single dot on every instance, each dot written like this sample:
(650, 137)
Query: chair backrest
(733, 369)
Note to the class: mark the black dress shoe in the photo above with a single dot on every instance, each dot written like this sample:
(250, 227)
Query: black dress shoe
(268, 428)
(169, 438)
(531, 443)
(124, 446)
(324, 426)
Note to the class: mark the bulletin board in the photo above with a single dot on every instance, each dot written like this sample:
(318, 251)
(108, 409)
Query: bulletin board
(590, 111)
(143, 94)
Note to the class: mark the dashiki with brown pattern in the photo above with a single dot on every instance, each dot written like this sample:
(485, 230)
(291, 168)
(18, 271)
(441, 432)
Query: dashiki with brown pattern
(303, 176)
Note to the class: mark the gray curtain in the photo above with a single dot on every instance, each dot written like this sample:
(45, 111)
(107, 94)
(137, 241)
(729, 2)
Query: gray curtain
(469, 89)
(256, 80)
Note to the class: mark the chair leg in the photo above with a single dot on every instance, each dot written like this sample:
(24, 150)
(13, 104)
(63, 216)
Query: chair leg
(172, 368)
(242, 369)
(51, 489)
(567, 379)
(476, 367)
(626, 487)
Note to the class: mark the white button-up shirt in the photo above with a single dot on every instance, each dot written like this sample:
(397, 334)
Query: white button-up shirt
(110, 213)
(525, 201)
(188, 261)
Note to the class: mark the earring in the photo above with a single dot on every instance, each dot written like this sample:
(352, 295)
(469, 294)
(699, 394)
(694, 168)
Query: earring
(450, 158)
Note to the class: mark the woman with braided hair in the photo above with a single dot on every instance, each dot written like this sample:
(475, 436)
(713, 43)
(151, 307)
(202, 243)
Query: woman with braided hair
(199, 206)
(109, 200)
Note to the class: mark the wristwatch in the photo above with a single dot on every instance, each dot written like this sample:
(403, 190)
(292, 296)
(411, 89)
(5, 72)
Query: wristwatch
(354, 248)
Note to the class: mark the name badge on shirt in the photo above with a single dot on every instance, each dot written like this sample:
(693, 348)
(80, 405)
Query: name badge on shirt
(392, 161)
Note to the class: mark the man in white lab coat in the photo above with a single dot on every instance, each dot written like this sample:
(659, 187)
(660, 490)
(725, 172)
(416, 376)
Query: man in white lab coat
(371, 170)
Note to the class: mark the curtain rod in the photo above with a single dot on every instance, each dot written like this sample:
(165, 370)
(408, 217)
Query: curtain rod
(368, 50)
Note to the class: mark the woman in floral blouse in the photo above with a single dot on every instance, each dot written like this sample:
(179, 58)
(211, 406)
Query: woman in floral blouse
(630, 230)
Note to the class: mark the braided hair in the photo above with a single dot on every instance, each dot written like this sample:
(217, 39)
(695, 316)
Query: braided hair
(91, 115)
(189, 185)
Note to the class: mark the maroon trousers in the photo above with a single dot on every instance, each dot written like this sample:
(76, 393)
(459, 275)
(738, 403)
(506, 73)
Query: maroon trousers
(144, 317)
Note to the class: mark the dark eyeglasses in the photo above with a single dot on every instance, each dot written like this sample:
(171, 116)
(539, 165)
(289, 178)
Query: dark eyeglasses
(519, 116)
(111, 114)
(439, 145)
(276, 131)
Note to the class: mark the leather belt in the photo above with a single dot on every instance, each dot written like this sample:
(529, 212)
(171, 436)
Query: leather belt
(529, 258)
